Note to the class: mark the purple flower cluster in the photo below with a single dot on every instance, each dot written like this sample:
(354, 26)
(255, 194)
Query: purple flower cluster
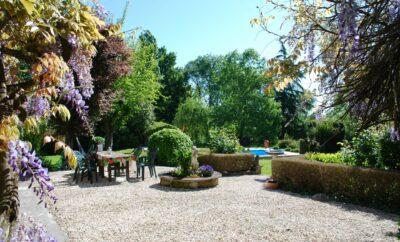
(37, 106)
(31, 231)
(81, 63)
(100, 10)
(394, 134)
(72, 95)
(206, 170)
(27, 164)
(347, 25)
(73, 41)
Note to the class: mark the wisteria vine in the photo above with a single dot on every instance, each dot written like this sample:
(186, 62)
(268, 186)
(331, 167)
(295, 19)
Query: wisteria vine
(27, 165)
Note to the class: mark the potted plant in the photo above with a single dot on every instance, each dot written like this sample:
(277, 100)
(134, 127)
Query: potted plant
(271, 184)
(99, 142)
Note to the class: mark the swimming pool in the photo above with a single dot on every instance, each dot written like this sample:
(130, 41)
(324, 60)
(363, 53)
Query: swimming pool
(259, 152)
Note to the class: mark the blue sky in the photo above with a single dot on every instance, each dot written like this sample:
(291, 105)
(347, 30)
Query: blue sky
(197, 27)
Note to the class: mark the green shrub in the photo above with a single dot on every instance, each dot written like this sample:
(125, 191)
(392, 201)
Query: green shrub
(289, 145)
(389, 152)
(239, 162)
(374, 187)
(366, 148)
(328, 134)
(307, 145)
(325, 158)
(223, 141)
(173, 145)
(99, 140)
(157, 126)
(52, 162)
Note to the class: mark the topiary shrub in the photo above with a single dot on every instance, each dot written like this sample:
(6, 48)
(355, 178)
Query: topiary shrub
(223, 141)
(174, 147)
(52, 162)
(157, 126)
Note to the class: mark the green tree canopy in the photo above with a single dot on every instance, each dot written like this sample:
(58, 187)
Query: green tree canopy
(193, 118)
(175, 87)
(136, 90)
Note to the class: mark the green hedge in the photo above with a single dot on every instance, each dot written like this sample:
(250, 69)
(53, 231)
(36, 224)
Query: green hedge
(52, 162)
(374, 187)
(173, 146)
(231, 163)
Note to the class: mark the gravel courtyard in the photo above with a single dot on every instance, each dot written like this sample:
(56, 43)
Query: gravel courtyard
(237, 209)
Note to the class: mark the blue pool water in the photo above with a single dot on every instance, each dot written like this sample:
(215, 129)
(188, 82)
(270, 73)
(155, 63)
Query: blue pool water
(258, 152)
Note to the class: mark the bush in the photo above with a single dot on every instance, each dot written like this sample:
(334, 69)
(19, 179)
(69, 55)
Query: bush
(99, 140)
(174, 147)
(325, 158)
(223, 141)
(328, 134)
(52, 162)
(289, 145)
(360, 185)
(307, 145)
(389, 152)
(366, 148)
(157, 126)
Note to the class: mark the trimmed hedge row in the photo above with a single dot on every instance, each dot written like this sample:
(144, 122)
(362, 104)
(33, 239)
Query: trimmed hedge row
(374, 187)
(231, 163)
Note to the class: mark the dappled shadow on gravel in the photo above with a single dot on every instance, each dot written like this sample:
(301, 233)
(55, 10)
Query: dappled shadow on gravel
(379, 214)
(173, 189)
(68, 180)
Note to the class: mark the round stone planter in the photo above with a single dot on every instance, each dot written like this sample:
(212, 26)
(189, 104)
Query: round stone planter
(190, 183)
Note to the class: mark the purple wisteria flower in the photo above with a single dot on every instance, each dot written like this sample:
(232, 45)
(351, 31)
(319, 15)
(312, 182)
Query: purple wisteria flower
(100, 10)
(81, 63)
(347, 25)
(72, 95)
(394, 134)
(37, 106)
(31, 231)
(206, 170)
(27, 165)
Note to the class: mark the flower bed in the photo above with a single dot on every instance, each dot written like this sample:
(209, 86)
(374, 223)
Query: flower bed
(375, 187)
(231, 163)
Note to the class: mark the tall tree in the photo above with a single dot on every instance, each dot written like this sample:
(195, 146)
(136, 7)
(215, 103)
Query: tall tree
(203, 73)
(295, 103)
(242, 103)
(175, 87)
(137, 90)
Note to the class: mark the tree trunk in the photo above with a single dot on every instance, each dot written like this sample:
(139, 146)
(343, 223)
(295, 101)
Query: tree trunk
(9, 201)
(69, 139)
(109, 133)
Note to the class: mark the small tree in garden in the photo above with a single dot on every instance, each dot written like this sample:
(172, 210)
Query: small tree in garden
(356, 58)
(46, 48)
(192, 118)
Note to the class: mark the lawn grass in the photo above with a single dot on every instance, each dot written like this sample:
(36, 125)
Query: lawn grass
(265, 164)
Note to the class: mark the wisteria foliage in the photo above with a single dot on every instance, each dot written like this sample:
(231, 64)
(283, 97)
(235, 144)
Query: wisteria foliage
(350, 45)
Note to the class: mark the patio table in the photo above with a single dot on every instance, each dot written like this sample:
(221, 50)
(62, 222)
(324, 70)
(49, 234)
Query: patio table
(109, 158)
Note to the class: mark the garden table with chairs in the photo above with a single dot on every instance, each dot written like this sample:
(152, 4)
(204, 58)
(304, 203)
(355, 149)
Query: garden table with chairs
(113, 160)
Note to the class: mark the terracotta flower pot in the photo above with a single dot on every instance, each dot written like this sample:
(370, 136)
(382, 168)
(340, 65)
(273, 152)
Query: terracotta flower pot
(271, 184)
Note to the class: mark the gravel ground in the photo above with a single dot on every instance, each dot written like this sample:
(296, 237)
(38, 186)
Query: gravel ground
(237, 209)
